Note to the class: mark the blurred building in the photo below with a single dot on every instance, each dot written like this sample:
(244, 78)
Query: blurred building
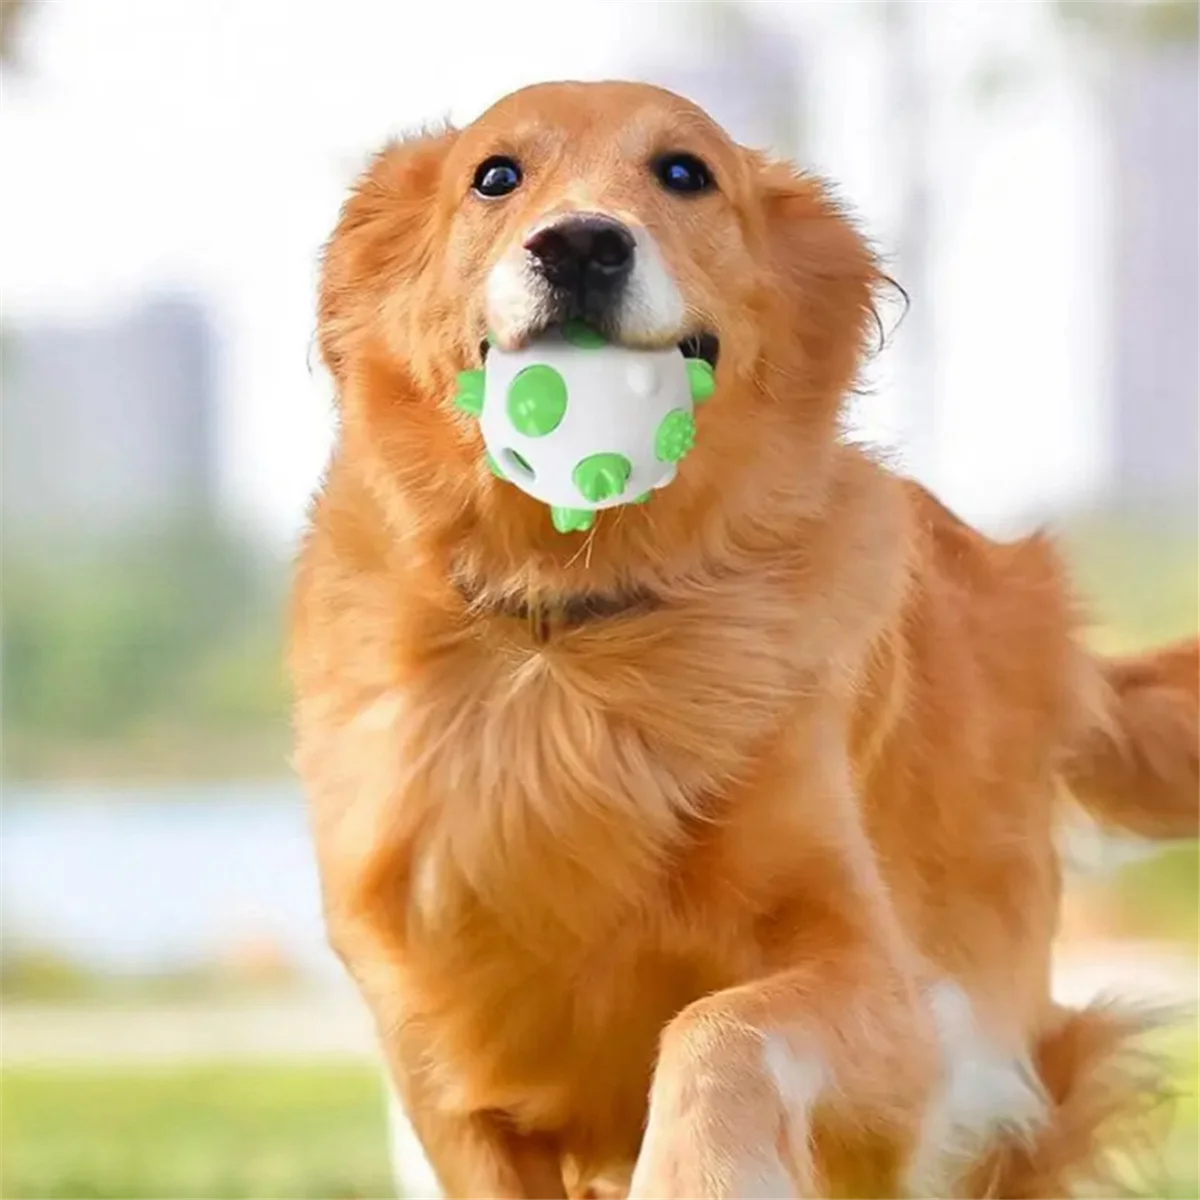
(108, 428)
(1154, 119)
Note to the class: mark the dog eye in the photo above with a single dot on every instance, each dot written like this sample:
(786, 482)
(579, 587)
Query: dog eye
(496, 176)
(683, 173)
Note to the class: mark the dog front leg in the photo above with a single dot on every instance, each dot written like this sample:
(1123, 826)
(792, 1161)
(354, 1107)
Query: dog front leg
(472, 1154)
(743, 1076)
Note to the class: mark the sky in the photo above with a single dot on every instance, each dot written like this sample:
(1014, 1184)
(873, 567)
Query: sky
(156, 144)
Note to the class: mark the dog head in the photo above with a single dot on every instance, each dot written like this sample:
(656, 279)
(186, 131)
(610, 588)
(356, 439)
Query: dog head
(627, 206)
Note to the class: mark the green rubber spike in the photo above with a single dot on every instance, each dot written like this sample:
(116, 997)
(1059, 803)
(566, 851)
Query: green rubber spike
(571, 520)
(469, 397)
(642, 498)
(701, 379)
(602, 476)
(676, 435)
(493, 466)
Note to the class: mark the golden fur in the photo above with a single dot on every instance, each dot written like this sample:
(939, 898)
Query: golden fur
(728, 847)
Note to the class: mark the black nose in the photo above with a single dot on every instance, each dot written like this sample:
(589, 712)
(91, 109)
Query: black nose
(583, 252)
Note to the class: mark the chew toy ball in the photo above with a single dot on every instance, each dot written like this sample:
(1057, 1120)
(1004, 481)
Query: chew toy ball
(581, 424)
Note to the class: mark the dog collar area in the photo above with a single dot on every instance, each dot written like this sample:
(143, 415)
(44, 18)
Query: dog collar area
(562, 613)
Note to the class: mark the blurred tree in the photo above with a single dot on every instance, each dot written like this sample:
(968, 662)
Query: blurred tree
(153, 651)
(173, 635)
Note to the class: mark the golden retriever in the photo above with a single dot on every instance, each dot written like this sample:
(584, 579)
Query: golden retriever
(710, 853)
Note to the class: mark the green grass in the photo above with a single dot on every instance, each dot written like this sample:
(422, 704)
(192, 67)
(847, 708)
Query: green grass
(278, 1131)
(248, 1130)
(1138, 577)
(1179, 1175)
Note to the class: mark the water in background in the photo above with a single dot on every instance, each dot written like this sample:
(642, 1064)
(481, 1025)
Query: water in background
(142, 880)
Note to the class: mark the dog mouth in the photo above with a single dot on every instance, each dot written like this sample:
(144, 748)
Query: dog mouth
(702, 344)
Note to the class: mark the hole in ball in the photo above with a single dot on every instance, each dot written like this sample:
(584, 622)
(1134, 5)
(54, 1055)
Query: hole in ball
(516, 465)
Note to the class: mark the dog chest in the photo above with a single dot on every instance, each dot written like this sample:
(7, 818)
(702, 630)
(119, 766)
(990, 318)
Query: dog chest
(562, 1044)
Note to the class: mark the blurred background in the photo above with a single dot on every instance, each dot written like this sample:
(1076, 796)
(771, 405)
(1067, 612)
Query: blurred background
(172, 1022)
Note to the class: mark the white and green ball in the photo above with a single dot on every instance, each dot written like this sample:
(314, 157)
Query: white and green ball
(581, 424)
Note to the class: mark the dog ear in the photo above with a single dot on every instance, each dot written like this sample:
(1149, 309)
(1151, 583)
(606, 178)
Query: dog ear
(824, 275)
(383, 239)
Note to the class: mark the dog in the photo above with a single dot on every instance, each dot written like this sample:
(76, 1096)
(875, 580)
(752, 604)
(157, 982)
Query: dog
(710, 853)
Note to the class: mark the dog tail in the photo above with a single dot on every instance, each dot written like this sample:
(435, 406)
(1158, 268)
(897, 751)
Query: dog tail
(1135, 761)
(1107, 1106)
